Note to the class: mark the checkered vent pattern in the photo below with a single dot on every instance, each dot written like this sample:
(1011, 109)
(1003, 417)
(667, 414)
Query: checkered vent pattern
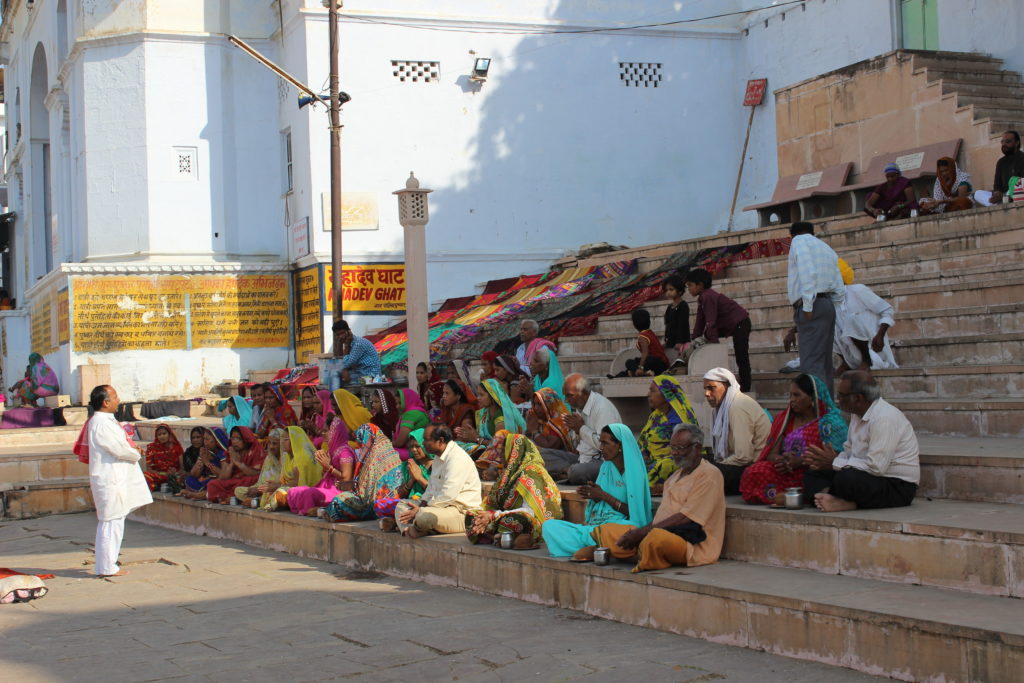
(640, 74)
(416, 72)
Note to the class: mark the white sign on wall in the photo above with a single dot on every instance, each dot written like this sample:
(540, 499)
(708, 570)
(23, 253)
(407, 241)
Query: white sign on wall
(809, 180)
(298, 239)
(910, 162)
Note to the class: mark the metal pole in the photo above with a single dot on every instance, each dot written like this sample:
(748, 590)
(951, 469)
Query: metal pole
(336, 260)
(739, 175)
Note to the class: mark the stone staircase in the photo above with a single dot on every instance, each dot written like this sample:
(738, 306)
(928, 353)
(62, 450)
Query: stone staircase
(957, 284)
(39, 475)
(994, 95)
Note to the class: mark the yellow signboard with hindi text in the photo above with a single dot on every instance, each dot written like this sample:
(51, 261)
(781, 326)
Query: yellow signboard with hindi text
(369, 288)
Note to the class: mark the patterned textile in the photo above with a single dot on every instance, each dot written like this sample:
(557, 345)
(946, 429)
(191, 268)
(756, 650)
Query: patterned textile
(378, 475)
(162, 459)
(525, 490)
(271, 472)
(553, 411)
(657, 432)
(252, 456)
(282, 416)
(511, 419)
(40, 380)
(761, 482)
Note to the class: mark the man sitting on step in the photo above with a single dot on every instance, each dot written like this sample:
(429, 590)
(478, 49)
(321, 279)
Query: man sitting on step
(689, 525)
(740, 427)
(878, 466)
(592, 412)
(453, 491)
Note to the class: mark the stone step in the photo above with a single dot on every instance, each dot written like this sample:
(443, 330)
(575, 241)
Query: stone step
(972, 547)
(962, 381)
(45, 436)
(768, 354)
(959, 62)
(1000, 113)
(913, 632)
(937, 323)
(872, 268)
(975, 469)
(971, 87)
(972, 75)
(983, 349)
(40, 464)
(965, 99)
(953, 417)
(23, 500)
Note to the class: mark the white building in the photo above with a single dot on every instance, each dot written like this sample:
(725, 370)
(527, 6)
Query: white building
(160, 172)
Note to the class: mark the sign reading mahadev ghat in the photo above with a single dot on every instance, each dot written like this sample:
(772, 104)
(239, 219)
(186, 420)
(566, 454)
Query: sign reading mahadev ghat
(154, 312)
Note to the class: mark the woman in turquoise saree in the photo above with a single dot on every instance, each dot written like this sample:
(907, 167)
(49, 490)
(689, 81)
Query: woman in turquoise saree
(621, 494)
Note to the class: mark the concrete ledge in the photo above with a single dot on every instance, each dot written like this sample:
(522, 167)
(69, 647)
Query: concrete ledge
(35, 499)
(907, 632)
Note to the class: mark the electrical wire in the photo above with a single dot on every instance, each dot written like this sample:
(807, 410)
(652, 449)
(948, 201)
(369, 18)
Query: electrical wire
(556, 31)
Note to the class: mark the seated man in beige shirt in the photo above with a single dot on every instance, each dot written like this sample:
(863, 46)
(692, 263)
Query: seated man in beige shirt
(452, 491)
(878, 466)
(739, 429)
(689, 526)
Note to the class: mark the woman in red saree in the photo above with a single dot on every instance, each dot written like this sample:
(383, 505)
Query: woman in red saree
(812, 419)
(458, 404)
(277, 413)
(163, 457)
(241, 466)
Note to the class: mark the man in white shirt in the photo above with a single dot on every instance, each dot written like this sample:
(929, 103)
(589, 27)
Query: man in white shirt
(115, 478)
(592, 413)
(453, 489)
(879, 465)
(862, 324)
(815, 288)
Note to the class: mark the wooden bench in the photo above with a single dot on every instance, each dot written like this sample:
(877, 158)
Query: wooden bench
(917, 165)
(806, 196)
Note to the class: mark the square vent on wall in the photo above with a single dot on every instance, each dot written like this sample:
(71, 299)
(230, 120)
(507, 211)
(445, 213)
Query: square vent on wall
(640, 74)
(416, 72)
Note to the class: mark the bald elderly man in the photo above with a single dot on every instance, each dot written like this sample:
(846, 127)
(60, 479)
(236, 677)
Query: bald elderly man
(591, 413)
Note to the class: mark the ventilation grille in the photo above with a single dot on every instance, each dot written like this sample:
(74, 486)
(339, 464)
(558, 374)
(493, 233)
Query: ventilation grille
(184, 160)
(416, 72)
(640, 74)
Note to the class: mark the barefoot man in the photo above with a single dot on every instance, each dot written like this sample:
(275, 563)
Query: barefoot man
(878, 467)
(115, 478)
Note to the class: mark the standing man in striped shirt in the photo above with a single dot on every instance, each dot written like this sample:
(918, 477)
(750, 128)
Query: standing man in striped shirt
(815, 287)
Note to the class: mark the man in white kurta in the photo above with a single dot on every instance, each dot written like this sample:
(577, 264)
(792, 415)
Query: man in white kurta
(115, 478)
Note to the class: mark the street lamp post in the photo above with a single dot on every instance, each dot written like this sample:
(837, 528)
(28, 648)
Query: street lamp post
(336, 258)
(413, 214)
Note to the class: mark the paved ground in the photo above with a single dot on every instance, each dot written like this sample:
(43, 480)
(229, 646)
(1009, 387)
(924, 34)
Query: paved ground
(198, 609)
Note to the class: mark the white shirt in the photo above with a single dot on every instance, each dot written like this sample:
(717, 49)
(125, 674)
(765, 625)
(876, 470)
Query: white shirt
(521, 358)
(454, 481)
(813, 269)
(115, 477)
(598, 413)
(859, 317)
(881, 443)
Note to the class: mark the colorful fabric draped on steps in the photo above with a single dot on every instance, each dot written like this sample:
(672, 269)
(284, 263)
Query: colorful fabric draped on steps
(566, 302)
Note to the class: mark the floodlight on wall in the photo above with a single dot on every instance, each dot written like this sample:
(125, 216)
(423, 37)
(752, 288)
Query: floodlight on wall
(480, 68)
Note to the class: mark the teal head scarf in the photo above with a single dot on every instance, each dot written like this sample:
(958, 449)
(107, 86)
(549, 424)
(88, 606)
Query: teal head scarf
(243, 409)
(638, 489)
(514, 421)
(555, 378)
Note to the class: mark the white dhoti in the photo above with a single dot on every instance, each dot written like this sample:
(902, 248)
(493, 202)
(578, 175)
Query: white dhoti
(108, 546)
(117, 485)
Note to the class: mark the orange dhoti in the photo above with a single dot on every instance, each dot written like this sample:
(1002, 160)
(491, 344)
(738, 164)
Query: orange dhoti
(660, 549)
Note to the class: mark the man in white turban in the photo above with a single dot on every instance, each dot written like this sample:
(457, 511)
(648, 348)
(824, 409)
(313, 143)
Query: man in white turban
(739, 429)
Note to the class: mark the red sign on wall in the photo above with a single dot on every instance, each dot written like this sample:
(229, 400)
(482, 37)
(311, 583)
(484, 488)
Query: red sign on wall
(755, 92)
